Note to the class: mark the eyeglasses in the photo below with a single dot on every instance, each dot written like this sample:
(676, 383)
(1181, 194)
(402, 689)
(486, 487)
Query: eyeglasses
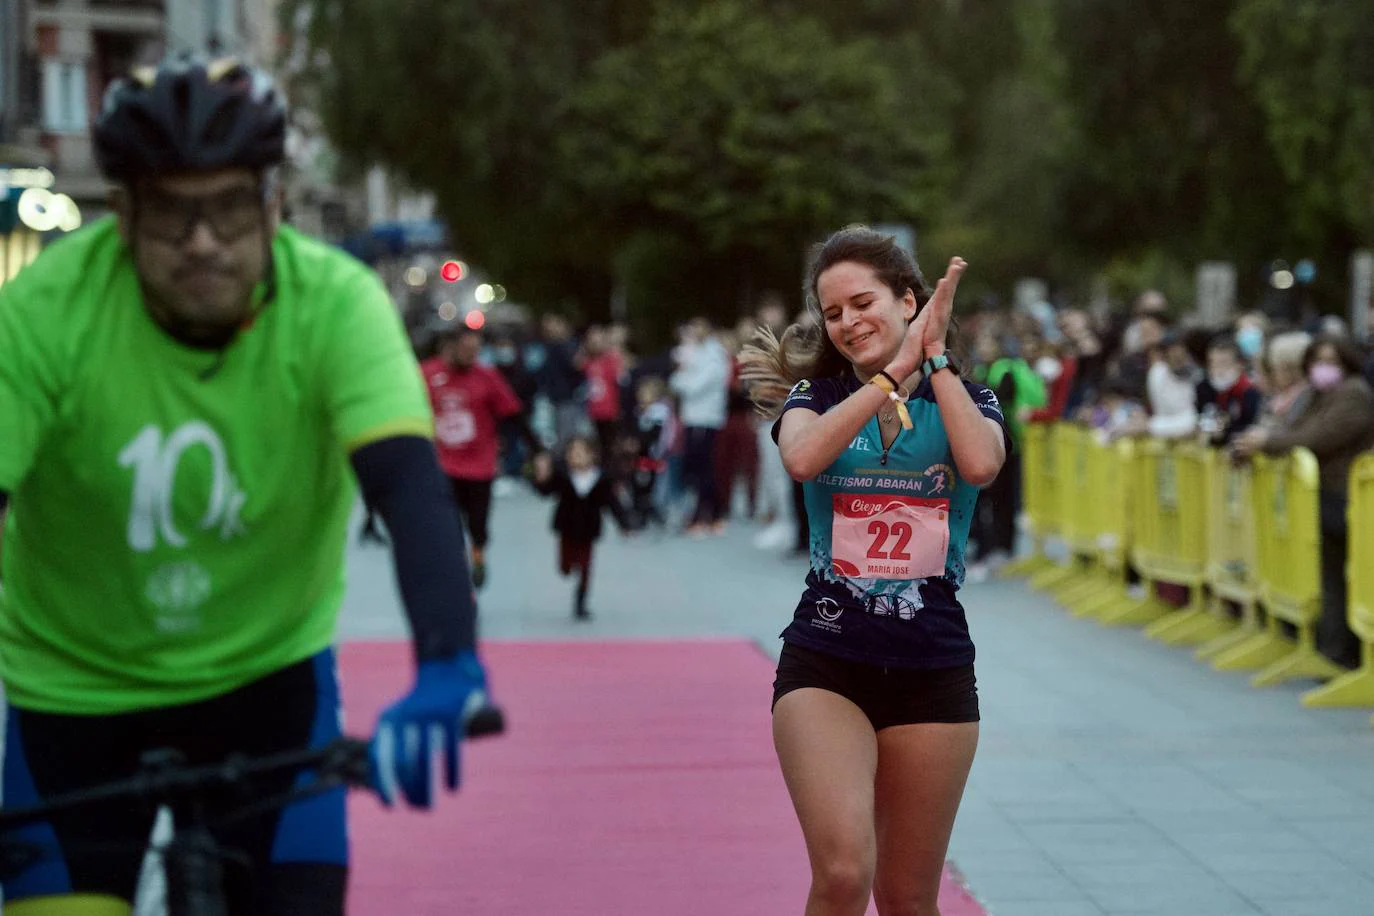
(231, 214)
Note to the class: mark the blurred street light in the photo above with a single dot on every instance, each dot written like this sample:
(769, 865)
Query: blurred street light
(484, 294)
(475, 320)
(43, 211)
(415, 276)
(448, 311)
(453, 271)
(1281, 275)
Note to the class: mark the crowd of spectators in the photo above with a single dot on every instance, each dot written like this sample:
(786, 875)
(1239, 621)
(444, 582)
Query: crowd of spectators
(1253, 385)
(678, 435)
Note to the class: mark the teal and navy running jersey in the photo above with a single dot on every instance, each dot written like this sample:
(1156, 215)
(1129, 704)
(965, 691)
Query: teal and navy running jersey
(888, 531)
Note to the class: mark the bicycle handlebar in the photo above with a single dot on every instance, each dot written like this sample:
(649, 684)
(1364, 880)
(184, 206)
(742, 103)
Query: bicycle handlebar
(163, 776)
(194, 884)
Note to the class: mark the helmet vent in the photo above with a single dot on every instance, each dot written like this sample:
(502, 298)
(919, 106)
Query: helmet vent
(193, 117)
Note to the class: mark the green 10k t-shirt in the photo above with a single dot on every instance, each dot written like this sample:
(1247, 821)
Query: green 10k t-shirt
(178, 517)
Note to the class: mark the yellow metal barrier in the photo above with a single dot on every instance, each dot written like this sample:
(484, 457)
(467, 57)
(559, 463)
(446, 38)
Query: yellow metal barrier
(1165, 520)
(1289, 547)
(1107, 509)
(1269, 644)
(1231, 573)
(1079, 468)
(1248, 534)
(1141, 478)
(1067, 471)
(1356, 688)
(1038, 499)
(1173, 546)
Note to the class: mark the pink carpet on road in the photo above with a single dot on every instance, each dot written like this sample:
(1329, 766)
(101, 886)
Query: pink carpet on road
(635, 778)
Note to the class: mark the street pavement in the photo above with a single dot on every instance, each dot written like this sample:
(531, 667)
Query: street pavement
(1115, 775)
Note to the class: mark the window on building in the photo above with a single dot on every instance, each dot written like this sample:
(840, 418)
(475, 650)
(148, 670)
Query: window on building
(116, 53)
(64, 96)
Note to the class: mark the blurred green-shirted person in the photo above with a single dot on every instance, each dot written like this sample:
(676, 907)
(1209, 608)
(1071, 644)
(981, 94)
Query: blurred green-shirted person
(1021, 391)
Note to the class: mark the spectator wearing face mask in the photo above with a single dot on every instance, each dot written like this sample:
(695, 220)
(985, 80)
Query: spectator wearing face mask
(1336, 427)
(1227, 401)
(1058, 370)
(1287, 393)
(1251, 332)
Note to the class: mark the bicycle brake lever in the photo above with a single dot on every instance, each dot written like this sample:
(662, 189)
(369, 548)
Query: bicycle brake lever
(485, 722)
(349, 762)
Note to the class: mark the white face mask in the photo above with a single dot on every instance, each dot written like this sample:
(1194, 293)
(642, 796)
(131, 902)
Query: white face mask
(1223, 382)
(1130, 341)
(1049, 368)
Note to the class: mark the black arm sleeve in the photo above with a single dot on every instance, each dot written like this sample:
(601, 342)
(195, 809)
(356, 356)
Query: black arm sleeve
(401, 480)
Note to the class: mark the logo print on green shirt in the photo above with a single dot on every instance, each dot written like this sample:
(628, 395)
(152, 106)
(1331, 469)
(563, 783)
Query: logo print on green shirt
(155, 462)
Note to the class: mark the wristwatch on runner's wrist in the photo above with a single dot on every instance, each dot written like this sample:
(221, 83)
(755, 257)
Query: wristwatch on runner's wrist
(936, 363)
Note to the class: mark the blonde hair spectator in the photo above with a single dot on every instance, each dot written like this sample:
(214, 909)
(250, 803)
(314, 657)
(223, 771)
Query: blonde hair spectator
(1285, 352)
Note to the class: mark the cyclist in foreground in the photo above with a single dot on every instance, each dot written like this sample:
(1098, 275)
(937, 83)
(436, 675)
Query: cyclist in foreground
(190, 396)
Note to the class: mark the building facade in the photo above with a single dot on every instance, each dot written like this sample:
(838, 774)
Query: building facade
(57, 57)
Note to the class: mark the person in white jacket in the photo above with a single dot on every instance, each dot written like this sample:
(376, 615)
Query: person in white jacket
(1172, 387)
(701, 382)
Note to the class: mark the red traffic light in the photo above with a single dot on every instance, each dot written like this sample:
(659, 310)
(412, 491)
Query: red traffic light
(452, 271)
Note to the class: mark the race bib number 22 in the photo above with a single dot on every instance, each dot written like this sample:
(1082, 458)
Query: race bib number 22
(889, 537)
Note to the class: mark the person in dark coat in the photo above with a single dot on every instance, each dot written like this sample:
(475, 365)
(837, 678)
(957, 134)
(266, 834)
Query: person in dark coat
(583, 495)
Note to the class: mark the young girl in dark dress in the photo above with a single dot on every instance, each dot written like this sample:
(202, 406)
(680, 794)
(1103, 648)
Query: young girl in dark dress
(583, 494)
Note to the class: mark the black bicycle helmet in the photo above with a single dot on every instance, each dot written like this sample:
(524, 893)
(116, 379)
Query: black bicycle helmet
(190, 115)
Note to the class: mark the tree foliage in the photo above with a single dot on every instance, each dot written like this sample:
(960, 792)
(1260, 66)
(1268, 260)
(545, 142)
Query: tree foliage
(1174, 153)
(799, 133)
(462, 97)
(1310, 65)
(680, 154)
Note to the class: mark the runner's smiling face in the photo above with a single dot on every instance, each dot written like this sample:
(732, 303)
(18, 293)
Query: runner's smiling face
(865, 320)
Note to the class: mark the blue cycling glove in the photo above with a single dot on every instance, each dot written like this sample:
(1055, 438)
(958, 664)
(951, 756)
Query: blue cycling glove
(431, 717)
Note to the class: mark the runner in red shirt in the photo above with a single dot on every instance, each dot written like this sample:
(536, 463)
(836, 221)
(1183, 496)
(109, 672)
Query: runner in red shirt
(469, 402)
(603, 366)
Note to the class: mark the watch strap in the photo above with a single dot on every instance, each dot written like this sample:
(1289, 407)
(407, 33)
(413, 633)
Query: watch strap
(936, 363)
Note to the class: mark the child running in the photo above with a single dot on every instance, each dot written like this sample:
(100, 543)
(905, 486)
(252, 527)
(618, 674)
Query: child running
(583, 494)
